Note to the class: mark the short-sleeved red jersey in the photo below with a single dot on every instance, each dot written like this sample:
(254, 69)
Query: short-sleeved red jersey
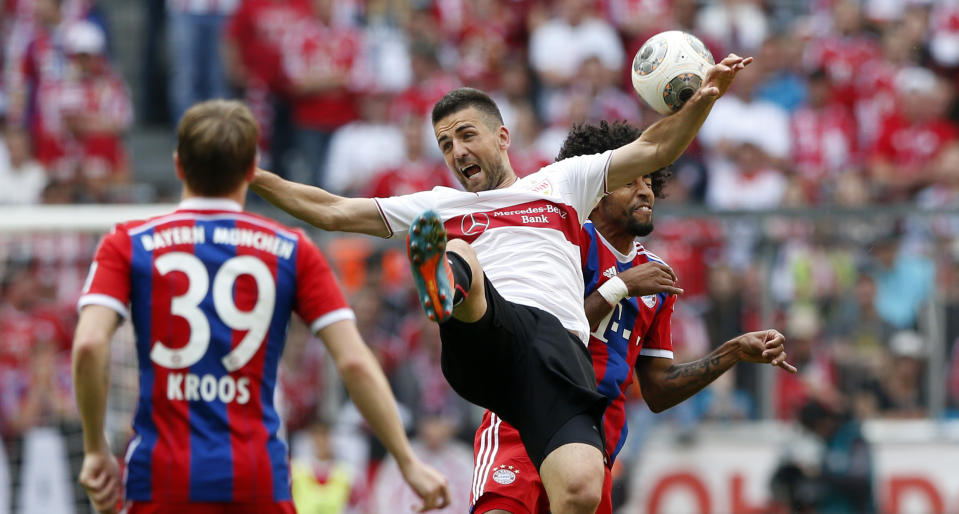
(210, 290)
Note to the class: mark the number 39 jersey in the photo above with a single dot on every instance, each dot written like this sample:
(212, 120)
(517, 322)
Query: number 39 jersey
(210, 290)
(636, 326)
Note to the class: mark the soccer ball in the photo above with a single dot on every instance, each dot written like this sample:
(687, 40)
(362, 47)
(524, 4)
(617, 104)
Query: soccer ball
(669, 68)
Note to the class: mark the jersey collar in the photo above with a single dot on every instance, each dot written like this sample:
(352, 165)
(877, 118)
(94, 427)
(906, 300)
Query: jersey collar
(619, 256)
(198, 203)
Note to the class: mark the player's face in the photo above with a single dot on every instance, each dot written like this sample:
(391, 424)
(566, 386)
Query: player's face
(631, 207)
(472, 150)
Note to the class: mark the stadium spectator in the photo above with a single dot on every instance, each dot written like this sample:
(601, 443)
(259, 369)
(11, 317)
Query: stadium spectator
(321, 483)
(195, 35)
(740, 118)
(435, 443)
(254, 63)
(558, 47)
(319, 57)
(904, 281)
(429, 83)
(737, 24)
(303, 380)
(22, 179)
(840, 477)
(349, 171)
(902, 388)
(824, 137)
(419, 383)
(36, 83)
(816, 380)
(96, 111)
(910, 139)
(482, 48)
(783, 83)
(751, 182)
(876, 97)
(224, 458)
(843, 50)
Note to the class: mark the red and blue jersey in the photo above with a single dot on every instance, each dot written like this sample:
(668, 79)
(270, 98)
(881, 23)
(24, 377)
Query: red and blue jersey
(210, 290)
(635, 326)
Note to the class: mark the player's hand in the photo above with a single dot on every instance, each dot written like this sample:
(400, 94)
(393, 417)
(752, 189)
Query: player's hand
(428, 484)
(765, 346)
(721, 75)
(100, 476)
(650, 278)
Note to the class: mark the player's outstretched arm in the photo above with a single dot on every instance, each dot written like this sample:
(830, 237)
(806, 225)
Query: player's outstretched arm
(665, 384)
(645, 279)
(664, 141)
(371, 393)
(99, 474)
(319, 207)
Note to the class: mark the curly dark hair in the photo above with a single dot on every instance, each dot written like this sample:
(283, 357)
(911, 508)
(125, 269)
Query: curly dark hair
(586, 139)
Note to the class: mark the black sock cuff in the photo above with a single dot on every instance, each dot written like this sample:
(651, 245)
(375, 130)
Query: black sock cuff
(462, 276)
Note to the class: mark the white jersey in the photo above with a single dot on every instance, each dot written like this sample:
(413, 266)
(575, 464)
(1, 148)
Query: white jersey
(526, 235)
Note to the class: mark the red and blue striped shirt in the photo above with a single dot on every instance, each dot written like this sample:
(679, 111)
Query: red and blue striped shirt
(210, 290)
(635, 327)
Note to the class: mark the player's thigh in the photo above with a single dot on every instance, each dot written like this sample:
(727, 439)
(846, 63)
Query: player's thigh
(504, 478)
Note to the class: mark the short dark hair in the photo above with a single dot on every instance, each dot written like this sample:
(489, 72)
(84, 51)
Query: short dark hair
(216, 144)
(586, 139)
(464, 98)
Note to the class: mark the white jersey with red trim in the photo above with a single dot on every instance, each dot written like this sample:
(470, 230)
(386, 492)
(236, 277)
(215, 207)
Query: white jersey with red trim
(526, 236)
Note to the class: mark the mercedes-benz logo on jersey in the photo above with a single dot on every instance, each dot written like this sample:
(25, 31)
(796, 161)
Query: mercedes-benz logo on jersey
(474, 223)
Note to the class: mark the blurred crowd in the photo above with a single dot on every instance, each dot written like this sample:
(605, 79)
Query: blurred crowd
(849, 108)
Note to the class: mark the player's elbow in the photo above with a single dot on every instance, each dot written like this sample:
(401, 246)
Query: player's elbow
(656, 406)
(88, 347)
(354, 368)
(655, 398)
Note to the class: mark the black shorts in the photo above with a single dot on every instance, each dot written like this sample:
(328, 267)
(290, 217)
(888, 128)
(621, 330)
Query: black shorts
(521, 363)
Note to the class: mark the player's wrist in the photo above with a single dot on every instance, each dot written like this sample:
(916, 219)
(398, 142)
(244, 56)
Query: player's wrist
(736, 347)
(613, 290)
(96, 445)
(406, 463)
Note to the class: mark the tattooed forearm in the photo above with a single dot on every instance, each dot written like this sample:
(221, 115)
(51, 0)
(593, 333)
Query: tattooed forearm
(707, 368)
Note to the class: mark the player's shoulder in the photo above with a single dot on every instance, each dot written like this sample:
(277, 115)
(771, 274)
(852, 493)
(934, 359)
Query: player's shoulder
(644, 255)
(589, 232)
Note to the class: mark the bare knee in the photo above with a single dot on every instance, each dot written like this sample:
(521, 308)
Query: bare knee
(582, 493)
(573, 475)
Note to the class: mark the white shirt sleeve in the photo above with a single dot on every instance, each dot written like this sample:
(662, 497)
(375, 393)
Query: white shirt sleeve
(583, 180)
(399, 211)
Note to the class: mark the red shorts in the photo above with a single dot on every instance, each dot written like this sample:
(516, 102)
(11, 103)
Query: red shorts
(505, 478)
(136, 507)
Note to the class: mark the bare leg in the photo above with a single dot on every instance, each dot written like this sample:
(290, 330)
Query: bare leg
(573, 477)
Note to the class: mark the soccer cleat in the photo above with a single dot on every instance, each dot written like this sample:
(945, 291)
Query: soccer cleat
(426, 249)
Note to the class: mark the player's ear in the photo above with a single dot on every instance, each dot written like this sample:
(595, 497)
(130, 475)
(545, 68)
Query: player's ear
(176, 164)
(253, 166)
(503, 138)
